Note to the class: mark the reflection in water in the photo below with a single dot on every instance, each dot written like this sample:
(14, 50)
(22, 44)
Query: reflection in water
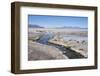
(44, 38)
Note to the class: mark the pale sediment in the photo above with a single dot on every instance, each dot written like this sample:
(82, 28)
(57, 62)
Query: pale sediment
(73, 45)
(37, 51)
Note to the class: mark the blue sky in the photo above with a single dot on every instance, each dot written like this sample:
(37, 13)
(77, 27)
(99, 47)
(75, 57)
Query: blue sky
(58, 21)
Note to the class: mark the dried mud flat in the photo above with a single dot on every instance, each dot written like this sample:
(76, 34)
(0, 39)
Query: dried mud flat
(59, 46)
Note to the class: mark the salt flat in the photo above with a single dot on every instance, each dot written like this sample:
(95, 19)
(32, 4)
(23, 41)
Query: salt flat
(78, 42)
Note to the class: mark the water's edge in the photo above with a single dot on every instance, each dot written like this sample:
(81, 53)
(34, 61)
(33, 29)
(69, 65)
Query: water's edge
(71, 54)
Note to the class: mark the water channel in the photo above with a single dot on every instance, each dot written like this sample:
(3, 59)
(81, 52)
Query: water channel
(71, 54)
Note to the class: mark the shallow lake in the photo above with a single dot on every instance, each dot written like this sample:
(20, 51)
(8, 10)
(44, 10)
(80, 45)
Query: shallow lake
(74, 37)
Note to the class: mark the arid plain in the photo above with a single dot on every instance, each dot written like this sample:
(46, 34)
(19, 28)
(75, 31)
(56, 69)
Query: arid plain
(57, 43)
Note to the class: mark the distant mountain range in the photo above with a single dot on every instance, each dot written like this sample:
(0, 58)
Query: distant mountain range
(63, 27)
(35, 26)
